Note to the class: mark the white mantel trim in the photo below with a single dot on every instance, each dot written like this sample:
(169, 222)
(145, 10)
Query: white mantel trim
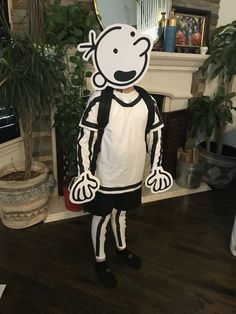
(170, 74)
(175, 59)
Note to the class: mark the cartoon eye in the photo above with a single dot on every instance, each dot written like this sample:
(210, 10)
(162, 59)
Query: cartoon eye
(115, 50)
(132, 34)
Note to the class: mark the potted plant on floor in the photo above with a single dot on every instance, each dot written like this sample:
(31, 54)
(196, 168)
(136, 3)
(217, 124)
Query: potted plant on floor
(67, 117)
(210, 115)
(66, 27)
(31, 79)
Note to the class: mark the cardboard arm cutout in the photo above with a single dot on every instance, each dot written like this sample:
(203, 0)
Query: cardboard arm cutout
(158, 180)
(83, 188)
(121, 57)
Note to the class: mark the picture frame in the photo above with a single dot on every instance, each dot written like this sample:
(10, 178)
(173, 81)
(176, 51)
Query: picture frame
(192, 29)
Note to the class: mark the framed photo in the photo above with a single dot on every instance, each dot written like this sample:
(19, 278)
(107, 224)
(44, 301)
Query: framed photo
(192, 29)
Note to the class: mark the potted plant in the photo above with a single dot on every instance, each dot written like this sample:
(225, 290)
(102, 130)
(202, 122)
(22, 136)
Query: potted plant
(67, 116)
(66, 27)
(31, 78)
(210, 115)
(222, 63)
(70, 110)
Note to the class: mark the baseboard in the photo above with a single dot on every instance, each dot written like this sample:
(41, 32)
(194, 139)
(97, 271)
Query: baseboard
(57, 210)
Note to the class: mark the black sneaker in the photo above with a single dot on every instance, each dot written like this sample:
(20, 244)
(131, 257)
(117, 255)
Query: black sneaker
(105, 275)
(130, 259)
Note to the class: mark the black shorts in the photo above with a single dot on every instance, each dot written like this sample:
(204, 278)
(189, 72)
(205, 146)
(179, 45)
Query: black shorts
(103, 204)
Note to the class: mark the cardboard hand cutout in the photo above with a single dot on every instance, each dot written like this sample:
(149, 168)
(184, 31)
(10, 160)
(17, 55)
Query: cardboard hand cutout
(117, 128)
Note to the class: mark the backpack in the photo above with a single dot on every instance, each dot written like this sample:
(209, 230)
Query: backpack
(103, 117)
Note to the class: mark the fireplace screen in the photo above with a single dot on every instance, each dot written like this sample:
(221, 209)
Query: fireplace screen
(174, 134)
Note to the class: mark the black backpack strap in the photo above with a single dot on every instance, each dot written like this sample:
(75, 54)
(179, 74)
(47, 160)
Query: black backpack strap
(102, 120)
(151, 110)
(150, 106)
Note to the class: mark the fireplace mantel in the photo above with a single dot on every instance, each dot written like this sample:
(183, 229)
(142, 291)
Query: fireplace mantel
(175, 60)
(170, 74)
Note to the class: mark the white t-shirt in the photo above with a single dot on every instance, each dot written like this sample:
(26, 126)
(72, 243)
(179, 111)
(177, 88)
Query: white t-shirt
(120, 163)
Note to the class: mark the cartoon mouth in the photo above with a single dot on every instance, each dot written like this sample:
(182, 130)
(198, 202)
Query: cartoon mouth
(123, 76)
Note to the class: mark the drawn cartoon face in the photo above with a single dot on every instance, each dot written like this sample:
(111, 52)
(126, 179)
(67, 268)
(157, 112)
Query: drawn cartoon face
(120, 56)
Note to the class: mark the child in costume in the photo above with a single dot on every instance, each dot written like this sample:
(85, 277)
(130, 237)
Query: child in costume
(111, 162)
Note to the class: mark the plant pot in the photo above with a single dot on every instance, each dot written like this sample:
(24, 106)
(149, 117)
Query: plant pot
(70, 206)
(219, 170)
(188, 175)
(24, 203)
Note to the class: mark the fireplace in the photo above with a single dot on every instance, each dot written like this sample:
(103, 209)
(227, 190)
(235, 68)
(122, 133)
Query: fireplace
(169, 80)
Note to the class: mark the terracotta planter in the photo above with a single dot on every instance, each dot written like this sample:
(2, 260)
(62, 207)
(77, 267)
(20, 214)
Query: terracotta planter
(68, 204)
(24, 203)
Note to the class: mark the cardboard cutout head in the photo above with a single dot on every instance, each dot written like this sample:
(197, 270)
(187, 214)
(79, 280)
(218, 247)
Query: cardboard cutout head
(120, 56)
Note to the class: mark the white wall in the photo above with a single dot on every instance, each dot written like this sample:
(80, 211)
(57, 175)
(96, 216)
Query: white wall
(227, 12)
(11, 151)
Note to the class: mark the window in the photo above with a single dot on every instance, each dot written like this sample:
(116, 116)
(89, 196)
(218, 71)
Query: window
(9, 128)
(148, 13)
(4, 10)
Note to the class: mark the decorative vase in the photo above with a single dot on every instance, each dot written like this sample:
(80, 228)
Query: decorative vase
(170, 33)
(161, 25)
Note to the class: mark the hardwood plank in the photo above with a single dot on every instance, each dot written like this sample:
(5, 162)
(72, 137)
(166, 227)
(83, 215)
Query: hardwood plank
(184, 246)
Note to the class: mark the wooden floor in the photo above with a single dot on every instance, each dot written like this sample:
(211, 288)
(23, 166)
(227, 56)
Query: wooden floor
(183, 243)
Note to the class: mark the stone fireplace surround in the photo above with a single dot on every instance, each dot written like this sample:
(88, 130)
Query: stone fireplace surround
(170, 75)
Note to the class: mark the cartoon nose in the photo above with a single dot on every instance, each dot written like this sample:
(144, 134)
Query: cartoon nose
(143, 45)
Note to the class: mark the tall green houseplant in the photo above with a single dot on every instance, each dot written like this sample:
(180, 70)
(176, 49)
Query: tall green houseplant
(211, 114)
(31, 78)
(222, 54)
(222, 62)
(67, 26)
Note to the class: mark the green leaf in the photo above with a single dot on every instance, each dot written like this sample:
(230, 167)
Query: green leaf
(86, 92)
(73, 59)
(77, 32)
(88, 74)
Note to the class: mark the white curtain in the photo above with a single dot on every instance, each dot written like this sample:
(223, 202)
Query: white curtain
(149, 13)
(233, 239)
